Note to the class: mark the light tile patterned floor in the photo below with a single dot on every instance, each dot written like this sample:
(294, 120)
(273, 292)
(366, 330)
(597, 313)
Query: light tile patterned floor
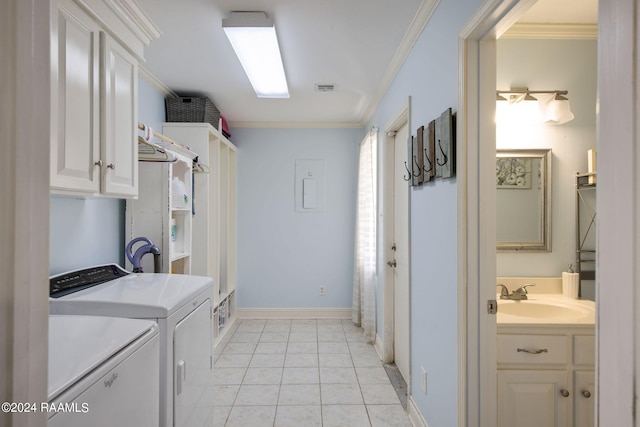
(298, 373)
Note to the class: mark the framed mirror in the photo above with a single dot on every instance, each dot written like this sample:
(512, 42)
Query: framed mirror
(523, 200)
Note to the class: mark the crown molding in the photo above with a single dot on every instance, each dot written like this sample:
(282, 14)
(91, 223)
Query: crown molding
(420, 20)
(136, 18)
(552, 31)
(154, 82)
(297, 125)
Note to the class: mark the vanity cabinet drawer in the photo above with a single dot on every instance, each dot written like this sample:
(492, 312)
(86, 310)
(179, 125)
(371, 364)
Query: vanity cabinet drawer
(532, 349)
(584, 347)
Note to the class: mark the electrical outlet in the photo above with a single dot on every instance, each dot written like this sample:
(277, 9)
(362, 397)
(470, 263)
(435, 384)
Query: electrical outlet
(423, 378)
(322, 290)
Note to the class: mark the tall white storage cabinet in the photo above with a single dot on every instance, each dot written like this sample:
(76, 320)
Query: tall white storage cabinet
(214, 220)
(163, 213)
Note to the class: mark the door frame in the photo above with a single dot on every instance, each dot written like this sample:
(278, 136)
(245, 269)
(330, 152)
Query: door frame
(476, 206)
(24, 213)
(386, 166)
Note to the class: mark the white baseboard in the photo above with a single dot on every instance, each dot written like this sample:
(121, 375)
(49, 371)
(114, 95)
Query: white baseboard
(415, 415)
(293, 313)
(378, 346)
(226, 330)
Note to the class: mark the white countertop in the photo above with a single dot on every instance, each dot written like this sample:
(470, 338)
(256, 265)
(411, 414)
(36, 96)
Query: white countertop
(546, 309)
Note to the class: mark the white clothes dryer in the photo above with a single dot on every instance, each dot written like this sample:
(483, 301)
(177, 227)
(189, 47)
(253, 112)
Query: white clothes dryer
(180, 304)
(103, 371)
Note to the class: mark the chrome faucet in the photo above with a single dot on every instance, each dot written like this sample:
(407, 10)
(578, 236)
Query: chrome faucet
(517, 295)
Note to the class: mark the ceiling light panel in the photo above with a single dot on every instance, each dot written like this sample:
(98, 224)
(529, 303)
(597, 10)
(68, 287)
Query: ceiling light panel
(253, 38)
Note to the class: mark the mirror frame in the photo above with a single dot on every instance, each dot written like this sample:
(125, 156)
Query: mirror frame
(545, 245)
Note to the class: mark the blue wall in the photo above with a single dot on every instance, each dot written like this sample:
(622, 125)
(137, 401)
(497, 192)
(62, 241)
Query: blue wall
(90, 231)
(284, 256)
(85, 232)
(430, 77)
(151, 110)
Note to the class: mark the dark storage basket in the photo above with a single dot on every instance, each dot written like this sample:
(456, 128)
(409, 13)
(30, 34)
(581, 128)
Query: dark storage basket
(192, 109)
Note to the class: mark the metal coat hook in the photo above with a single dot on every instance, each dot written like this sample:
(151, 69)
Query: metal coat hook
(446, 159)
(426, 156)
(405, 177)
(415, 160)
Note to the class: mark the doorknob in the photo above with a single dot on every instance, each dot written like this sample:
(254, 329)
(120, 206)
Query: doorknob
(392, 263)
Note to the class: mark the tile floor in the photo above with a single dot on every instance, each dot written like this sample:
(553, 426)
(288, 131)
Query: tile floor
(301, 373)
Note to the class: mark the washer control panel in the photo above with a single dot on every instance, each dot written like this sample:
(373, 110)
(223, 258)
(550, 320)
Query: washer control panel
(74, 281)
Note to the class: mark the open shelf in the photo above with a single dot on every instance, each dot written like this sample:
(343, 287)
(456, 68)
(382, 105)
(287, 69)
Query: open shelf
(162, 213)
(213, 232)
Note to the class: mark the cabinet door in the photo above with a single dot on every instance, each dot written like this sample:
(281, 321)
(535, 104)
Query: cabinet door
(193, 363)
(119, 119)
(75, 119)
(585, 395)
(531, 398)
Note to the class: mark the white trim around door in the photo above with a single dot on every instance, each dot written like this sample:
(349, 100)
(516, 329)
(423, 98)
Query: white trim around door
(385, 178)
(476, 225)
(24, 212)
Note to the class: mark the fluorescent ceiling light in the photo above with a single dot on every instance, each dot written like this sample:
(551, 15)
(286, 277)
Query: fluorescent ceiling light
(253, 37)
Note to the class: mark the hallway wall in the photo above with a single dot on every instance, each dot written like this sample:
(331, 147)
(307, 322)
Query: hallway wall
(284, 256)
(430, 76)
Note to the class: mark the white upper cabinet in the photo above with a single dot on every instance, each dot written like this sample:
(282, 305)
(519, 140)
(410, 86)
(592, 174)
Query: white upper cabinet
(95, 50)
(119, 117)
(75, 136)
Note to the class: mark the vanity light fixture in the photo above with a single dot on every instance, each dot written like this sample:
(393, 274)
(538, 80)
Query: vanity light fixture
(253, 38)
(556, 110)
(553, 104)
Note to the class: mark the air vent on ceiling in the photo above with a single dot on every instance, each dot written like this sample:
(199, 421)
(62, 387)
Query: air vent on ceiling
(325, 87)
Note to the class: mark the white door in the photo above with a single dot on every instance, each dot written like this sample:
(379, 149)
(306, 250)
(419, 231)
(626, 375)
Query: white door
(401, 241)
(193, 364)
(533, 398)
(75, 139)
(584, 397)
(120, 114)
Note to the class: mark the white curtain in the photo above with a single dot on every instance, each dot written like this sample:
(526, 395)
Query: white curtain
(364, 282)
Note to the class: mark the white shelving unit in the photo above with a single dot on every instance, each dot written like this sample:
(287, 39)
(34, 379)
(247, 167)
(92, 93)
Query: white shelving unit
(163, 213)
(586, 230)
(214, 220)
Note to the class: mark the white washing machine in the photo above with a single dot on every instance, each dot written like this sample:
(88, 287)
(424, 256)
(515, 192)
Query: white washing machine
(103, 371)
(180, 304)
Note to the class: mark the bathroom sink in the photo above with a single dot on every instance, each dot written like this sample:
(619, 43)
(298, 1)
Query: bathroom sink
(546, 310)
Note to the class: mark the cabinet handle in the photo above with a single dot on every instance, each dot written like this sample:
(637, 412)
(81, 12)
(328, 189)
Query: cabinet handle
(98, 163)
(525, 350)
(111, 166)
(586, 393)
(564, 392)
(392, 263)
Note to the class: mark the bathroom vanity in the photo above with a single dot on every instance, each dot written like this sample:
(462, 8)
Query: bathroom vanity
(546, 356)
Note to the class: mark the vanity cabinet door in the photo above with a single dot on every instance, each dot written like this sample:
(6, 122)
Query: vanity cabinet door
(585, 395)
(532, 398)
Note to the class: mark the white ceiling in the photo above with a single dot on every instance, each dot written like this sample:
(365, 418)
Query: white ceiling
(346, 43)
(349, 43)
(562, 12)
